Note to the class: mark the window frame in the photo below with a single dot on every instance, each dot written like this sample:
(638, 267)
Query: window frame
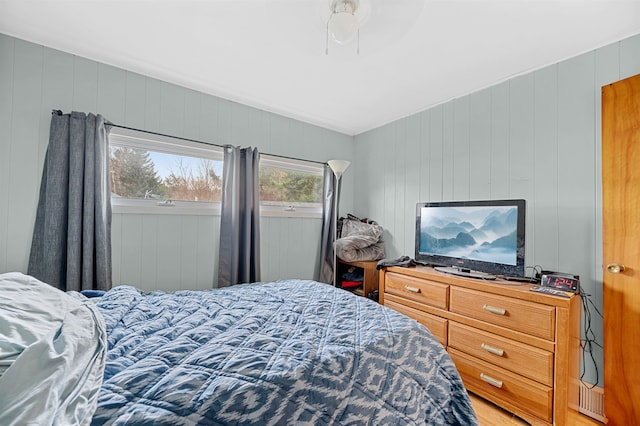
(166, 145)
(170, 145)
(291, 209)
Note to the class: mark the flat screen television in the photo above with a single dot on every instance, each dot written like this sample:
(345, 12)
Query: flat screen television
(480, 239)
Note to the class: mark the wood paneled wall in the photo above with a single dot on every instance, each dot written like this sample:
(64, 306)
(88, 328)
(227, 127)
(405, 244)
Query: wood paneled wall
(535, 136)
(176, 252)
(149, 251)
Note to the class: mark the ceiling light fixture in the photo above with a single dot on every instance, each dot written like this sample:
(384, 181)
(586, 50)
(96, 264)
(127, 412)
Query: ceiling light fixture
(344, 22)
(343, 26)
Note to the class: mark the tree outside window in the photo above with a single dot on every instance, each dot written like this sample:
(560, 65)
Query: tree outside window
(134, 174)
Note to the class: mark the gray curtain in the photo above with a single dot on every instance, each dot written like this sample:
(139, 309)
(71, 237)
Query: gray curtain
(239, 260)
(71, 245)
(328, 228)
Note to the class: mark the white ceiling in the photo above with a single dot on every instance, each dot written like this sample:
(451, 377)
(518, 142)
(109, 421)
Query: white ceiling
(270, 54)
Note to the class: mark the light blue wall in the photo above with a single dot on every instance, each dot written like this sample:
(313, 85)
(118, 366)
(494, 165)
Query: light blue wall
(536, 136)
(149, 251)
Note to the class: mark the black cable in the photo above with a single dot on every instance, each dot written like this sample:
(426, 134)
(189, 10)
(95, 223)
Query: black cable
(589, 342)
(108, 123)
(537, 271)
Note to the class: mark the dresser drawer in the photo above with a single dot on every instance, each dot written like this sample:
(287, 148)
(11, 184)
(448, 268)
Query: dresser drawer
(504, 387)
(520, 315)
(436, 325)
(529, 361)
(420, 290)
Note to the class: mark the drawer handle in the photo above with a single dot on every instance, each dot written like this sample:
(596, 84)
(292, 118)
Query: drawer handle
(412, 289)
(492, 350)
(494, 310)
(491, 380)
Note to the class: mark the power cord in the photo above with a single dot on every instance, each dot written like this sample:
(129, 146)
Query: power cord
(589, 343)
(537, 271)
(534, 278)
(536, 274)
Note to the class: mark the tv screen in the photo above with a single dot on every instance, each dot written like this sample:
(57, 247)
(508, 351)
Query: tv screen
(472, 236)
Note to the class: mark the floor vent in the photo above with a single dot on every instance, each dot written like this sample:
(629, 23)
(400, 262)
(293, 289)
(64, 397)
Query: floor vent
(591, 401)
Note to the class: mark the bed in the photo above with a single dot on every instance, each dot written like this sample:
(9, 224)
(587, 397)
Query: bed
(285, 352)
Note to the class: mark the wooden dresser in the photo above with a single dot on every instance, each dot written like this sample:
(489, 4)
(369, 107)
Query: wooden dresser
(514, 347)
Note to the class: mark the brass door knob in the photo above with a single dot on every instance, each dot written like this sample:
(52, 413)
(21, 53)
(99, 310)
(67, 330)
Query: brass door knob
(615, 268)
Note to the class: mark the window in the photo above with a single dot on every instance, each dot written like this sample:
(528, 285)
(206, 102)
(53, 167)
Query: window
(290, 187)
(163, 175)
(149, 172)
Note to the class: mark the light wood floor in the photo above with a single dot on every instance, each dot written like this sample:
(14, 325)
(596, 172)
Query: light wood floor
(491, 415)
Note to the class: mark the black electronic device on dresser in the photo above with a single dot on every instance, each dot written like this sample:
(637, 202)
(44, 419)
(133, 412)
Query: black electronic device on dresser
(477, 239)
(561, 281)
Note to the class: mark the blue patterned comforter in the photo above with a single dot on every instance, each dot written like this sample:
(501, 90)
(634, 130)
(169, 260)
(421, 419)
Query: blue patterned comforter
(287, 352)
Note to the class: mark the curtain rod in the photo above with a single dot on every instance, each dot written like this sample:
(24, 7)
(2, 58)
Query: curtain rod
(108, 123)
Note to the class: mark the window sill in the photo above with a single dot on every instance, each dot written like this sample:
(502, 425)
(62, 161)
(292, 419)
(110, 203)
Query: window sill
(167, 210)
(213, 209)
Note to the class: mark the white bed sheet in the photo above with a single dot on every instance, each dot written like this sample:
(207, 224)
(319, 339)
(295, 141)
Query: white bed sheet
(52, 354)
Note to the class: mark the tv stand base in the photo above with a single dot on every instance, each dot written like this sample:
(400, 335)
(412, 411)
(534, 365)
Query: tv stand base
(463, 272)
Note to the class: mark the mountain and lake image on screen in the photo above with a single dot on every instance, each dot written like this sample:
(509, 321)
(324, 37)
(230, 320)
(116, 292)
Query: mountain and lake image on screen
(481, 233)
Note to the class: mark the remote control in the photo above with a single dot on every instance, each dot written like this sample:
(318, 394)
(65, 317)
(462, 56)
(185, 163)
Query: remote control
(551, 291)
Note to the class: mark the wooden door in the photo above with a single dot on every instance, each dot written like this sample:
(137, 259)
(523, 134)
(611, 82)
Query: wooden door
(621, 246)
